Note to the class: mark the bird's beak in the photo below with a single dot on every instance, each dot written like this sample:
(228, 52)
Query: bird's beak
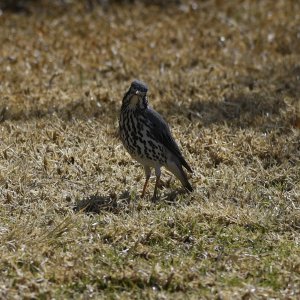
(137, 92)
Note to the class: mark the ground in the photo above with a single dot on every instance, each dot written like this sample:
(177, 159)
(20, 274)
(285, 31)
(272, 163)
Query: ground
(225, 75)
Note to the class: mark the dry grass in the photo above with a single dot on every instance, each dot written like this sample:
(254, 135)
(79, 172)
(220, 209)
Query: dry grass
(226, 75)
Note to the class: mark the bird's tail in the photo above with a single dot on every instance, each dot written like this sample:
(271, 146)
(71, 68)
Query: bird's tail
(176, 169)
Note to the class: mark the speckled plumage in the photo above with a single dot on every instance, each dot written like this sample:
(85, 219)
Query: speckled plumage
(147, 137)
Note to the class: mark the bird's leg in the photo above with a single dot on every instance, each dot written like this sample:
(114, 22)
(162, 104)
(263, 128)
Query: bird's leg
(157, 173)
(147, 173)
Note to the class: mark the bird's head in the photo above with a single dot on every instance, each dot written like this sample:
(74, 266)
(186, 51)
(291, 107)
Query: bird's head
(136, 96)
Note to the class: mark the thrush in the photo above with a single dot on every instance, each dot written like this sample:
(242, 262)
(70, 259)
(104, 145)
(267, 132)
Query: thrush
(148, 139)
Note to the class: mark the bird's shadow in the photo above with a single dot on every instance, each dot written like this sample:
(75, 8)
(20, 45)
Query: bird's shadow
(97, 204)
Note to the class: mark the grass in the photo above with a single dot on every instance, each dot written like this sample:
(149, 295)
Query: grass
(226, 76)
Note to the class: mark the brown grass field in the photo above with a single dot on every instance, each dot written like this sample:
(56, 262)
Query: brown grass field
(225, 75)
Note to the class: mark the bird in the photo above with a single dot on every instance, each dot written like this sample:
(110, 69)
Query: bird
(148, 139)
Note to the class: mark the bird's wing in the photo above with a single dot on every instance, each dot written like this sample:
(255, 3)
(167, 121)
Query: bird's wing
(160, 131)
